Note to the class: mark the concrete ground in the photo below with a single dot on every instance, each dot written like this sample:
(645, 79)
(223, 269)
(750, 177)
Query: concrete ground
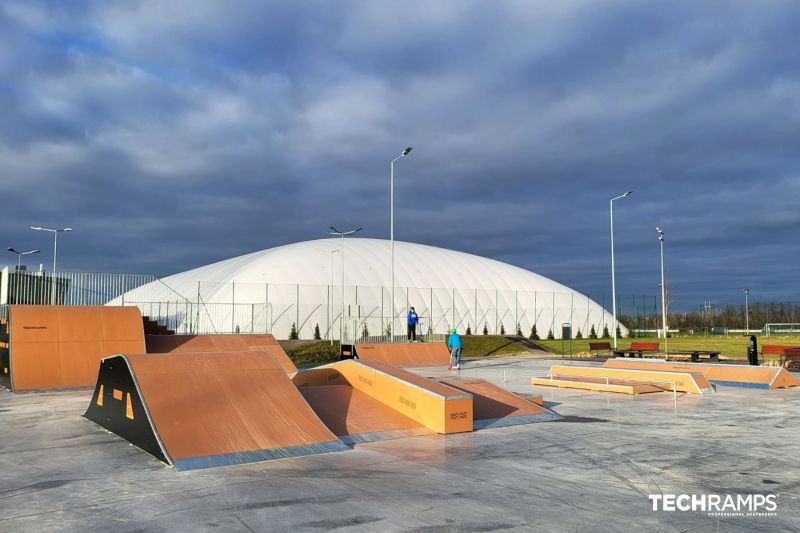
(591, 472)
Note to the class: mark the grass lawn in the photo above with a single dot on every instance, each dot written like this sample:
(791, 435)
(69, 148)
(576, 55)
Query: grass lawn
(321, 352)
(730, 347)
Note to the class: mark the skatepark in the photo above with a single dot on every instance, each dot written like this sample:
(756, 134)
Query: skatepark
(186, 432)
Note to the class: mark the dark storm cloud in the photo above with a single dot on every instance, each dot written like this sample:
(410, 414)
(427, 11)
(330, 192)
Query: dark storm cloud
(174, 134)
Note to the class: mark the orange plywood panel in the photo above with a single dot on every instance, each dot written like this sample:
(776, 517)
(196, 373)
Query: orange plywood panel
(33, 323)
(34, 365)
(349, 412)
(80, 324)
(595, 385)
(220, 343)
(762, 377)
(78, 362)
(54, 347)
(211, 409)
(406, 353)
(122, 323)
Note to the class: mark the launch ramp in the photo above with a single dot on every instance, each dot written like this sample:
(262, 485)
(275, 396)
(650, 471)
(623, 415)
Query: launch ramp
(757, 377)
(494, 406)
(406, 353)
(220, 343)
(199, 410)
(56, 347)
(590, 377)
(435, 406)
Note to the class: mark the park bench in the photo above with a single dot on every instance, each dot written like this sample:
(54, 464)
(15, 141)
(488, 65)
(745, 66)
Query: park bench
(600, 347)
(790, 354)
(775, 349)
(637, 349)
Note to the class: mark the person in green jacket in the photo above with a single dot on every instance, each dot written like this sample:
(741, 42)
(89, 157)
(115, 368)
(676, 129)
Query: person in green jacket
(454, 344)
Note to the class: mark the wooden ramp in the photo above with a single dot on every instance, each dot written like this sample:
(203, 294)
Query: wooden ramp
(57, 347)
(356, 417)
(406, 353)
(199, 410)
(620, 379)
(220, 343)
(494, 406)
(435, 406)
(757, 377)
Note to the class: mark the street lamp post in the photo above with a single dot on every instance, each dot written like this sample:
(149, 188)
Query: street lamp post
(20, 254)
(342, 234)
(330, 307)
(613, 275)
(55, 233)
(663, 288)
(746, 313)
(391, 229)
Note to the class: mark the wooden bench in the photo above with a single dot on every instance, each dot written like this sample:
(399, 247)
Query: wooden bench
(637, 349)
(790, 354)
(775, 349)
(600, 347)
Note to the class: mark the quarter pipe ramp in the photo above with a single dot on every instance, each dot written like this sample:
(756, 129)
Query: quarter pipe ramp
(199, 410)
(406, 353)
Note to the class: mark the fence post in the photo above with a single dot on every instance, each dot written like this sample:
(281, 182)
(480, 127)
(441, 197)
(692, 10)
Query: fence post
(297, 308)
(233, 307)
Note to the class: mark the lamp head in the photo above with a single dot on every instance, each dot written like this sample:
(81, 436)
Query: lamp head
(407, 150)
(67, 229)
(627, 194)
(37, 228)
(12, 250)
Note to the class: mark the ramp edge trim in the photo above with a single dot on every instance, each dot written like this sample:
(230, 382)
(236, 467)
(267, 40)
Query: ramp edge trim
(229, 459)
(363, 438)
(515, 420)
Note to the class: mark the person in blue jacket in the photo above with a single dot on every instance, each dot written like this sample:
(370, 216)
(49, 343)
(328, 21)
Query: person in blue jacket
(413, 320)
(454, 344)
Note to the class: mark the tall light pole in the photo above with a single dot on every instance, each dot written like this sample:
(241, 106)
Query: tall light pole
(746, 313)
(20, 254)
(330, 308)
(663, 287)
(391, 228)
(613, 275)
(55, 233)
(342, 234)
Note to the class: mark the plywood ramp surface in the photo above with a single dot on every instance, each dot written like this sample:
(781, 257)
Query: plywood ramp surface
(220, 343)
(209, 409)
(595, 385)
(494, 406)
(406, 353)
(53, 347)
(436, 406)
(357, 417)
(761, 377)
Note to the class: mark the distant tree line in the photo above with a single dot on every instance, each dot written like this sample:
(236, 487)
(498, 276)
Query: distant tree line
(727, 316)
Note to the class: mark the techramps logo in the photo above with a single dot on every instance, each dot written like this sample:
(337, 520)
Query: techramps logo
(718, 505)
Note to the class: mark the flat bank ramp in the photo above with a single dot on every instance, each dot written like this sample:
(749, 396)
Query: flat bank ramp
(436, 406)
(220, 343)
(406, 353)
(57, 347)
(756, 377)
(591, 377)
(494, 406)
(356, 417)
(200, 410)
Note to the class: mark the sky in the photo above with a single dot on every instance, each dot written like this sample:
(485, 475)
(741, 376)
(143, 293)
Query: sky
(172, 134)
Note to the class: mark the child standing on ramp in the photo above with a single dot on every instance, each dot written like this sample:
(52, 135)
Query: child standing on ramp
(454, 344)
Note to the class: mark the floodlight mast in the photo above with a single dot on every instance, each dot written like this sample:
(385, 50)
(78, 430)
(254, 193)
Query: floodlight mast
(404, 153)
(663, 288)
(342, 234)
(20, 254)
(55, 233)
(613, 275)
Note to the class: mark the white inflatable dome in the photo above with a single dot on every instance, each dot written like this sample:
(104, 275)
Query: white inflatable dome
(301, 284)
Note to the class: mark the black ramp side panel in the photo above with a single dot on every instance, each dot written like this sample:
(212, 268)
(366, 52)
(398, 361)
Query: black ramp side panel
(120, 402)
